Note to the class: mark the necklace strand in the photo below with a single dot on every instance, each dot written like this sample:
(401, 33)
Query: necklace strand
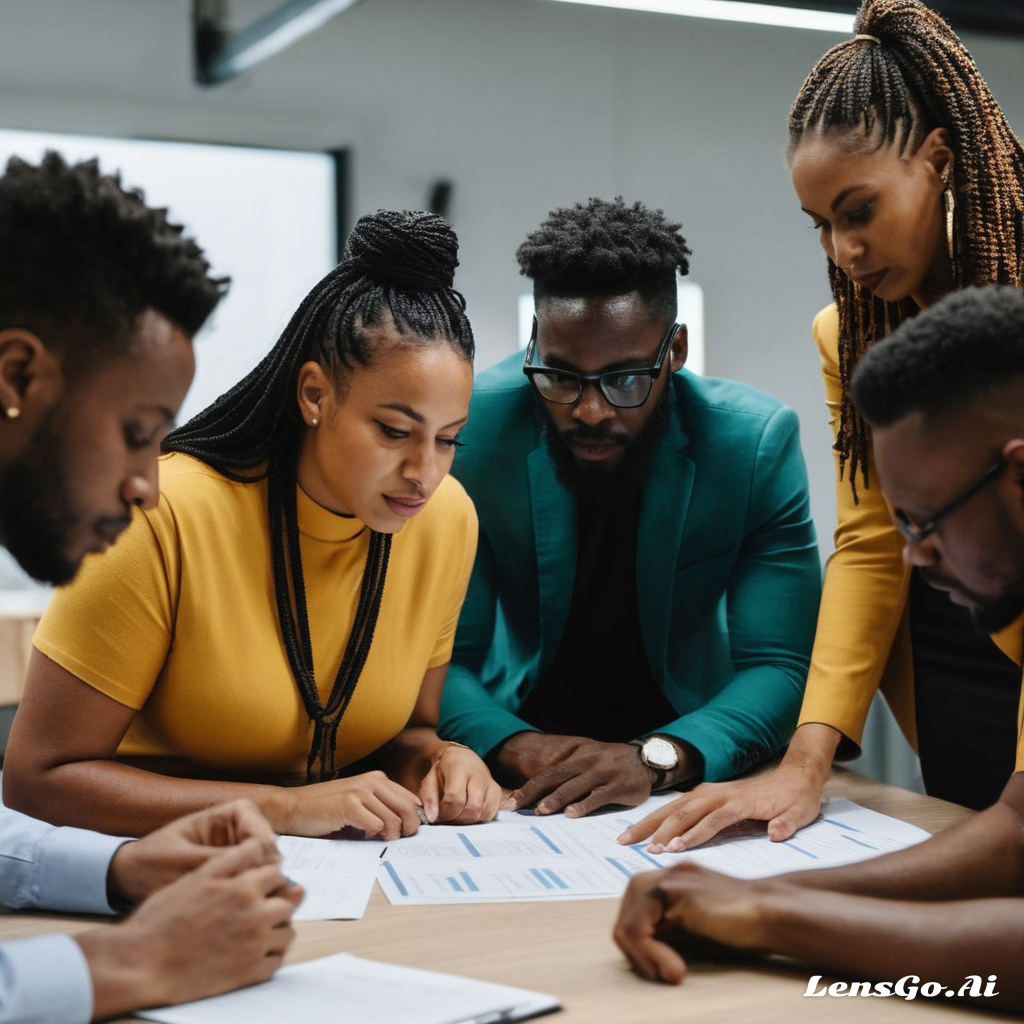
(290, 593)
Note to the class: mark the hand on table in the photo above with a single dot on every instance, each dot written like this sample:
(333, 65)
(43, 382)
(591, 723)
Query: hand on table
(222, 926)
(688, 906)
(370, 805)
(458, 788)
(788, 799)
(573, 774)
(140, 868)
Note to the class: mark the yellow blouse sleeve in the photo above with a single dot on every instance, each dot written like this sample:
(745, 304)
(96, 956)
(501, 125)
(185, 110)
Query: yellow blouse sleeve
(865, 589)
(113, 626)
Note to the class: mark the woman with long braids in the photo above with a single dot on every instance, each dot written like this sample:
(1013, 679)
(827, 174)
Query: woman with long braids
(286, 613)
(914, 181)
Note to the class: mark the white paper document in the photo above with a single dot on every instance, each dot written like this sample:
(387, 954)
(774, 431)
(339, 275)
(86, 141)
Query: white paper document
(337, 874)
(529, 857)
(345, 989)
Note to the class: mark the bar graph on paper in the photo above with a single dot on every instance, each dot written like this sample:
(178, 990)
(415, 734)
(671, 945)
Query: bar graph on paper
(524, 857)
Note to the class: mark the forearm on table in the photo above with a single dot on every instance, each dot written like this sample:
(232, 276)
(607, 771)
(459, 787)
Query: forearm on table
(121, 799)
(877, 939)
(980, 858)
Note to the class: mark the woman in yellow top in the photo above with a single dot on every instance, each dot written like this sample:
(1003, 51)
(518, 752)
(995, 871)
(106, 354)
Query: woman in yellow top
(914, 181)
(287, 611)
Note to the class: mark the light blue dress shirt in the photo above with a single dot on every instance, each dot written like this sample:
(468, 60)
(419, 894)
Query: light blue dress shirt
(45, 980)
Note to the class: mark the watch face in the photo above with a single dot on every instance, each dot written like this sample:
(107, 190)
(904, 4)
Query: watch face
(659, 753)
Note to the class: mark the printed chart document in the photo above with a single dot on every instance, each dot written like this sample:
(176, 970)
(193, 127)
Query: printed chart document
(337, 874)
(528, 857)
(344, 989)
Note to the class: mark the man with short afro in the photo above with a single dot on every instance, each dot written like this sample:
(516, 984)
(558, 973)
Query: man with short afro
(100, 296)
(643, 601)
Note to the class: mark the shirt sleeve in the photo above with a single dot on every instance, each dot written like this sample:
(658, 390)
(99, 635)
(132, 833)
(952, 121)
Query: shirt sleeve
(771, 602)
(865, 586)
(50, 868)
(44, 980)
(113, 625)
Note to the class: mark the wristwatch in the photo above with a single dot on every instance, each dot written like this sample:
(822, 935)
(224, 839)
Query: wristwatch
(660, 755)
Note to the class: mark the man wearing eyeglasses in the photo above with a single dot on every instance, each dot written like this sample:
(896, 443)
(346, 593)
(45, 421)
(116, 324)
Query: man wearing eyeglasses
(944, 397)
(643, 602)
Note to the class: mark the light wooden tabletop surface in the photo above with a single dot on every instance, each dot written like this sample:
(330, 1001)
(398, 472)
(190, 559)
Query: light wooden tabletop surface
(566, 949)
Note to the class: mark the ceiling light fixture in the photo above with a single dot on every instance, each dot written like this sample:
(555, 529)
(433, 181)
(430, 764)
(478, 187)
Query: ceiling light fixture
(735, 10)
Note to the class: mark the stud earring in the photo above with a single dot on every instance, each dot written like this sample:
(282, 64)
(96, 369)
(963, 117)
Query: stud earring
(13, 412)
(314, 422)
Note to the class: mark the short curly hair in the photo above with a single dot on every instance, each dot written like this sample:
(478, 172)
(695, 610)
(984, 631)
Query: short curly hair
(967, 344)
(81, 257)
(603, 248)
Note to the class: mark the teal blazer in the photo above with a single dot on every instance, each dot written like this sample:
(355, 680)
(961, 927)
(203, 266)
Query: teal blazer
(728, 575)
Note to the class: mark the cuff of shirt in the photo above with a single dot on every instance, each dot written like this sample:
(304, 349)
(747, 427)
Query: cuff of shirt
(45, 979)
(73, 867)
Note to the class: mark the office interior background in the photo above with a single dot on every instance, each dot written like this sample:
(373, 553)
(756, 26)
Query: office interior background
(519, 106)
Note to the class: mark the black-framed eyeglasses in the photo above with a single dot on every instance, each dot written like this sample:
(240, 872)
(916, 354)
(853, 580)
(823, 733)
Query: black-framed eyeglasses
(625, 389)
(916, 533)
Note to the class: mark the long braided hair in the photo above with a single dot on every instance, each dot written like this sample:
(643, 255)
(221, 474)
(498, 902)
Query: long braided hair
(398, 269)
(909, 76)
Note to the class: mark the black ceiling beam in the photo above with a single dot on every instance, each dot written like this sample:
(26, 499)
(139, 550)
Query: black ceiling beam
(221, 55)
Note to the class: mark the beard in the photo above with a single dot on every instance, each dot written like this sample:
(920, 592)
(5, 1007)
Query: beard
(593, 482)
(989, 614)
(37, 509)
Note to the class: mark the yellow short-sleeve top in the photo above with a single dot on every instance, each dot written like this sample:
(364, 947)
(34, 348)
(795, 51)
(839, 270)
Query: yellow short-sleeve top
(863, 635)
(178, 620)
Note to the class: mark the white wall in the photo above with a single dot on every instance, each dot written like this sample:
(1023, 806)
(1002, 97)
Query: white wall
(524, 105)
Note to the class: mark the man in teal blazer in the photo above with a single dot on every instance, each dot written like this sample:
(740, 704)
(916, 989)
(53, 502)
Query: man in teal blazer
(644, 597)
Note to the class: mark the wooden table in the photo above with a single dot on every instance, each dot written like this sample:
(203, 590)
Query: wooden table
(566, 949)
